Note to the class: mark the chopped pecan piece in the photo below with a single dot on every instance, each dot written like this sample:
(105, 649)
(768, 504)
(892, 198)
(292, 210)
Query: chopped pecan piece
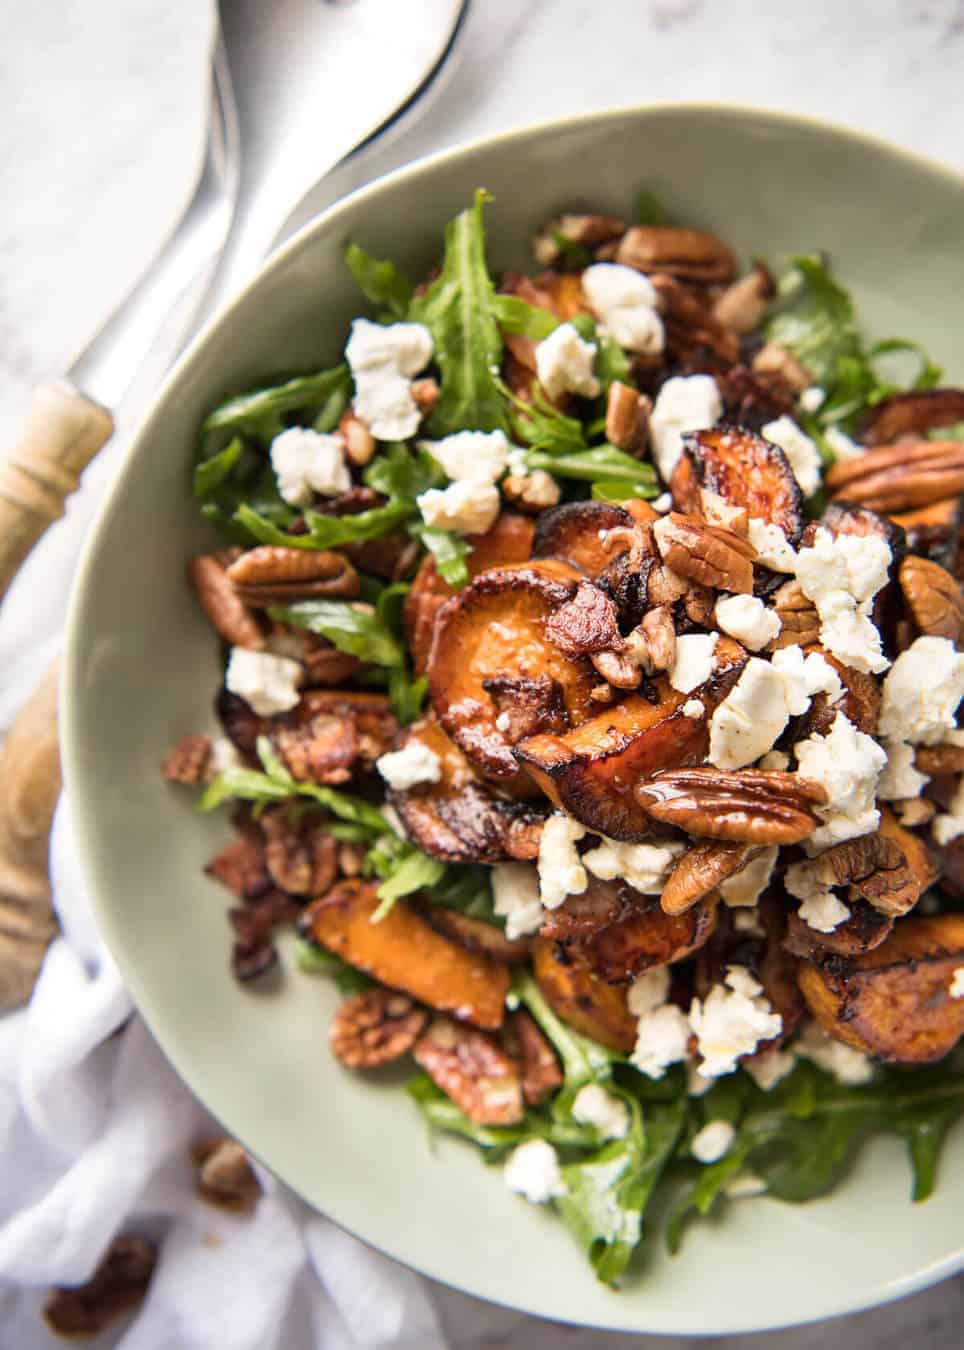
(774, 360)
(900, 477)
(653, 643)
(691, 328)
(527, 704)
(375, 1028)
(798, 615)
(914, 811)
(878, 869)
(627, 417)
(116, 1287)
(359, 441)
(692, 254)
(914, 413)
(744, 302)
(934, 598)
(939, 759)
(270, 575)
(531, 492)
(320, 749)
(751, 398)
(700, 870)
(425, 393)
(187, 760)
(230, 616)
(541, 1074)
(751, 806)
(587, 623)
(226, 1178)
(618, 669)
(590, 230)
(241, 866)
(473, 1069)
(709, 555)
(301, 858)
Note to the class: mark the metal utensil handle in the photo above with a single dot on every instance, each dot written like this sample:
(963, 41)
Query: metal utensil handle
(63, 432)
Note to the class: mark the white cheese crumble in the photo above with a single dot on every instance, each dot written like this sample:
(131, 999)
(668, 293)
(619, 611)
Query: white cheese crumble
(823, 912)
(383, 360)
(748, 620)
(533, 1170)
(625, 303)
(693, 707)
(561, 871)
(841, 446)
(471, 456)
(846, 762)
(464, 506)
(662, 503)
(751, 717)
(812, 399)
(693, 662)
(268, 684)
(804, 677)
(415, 763)
(644, 866)
(899, 778)
(772, 546)
(684, 403)
(956, 989)
(745, 887)
(515, 891)
(848, 1065)
(950, 825)
(648, 991)
(801, 452)
(921, 692)
(564, 364)
(775, 760)
(305, 462)
(695, 1085)
(731, 1022)
(841, 576)
(770, 1067)
(593, 1105)
(663, 1030)
(712, 1141)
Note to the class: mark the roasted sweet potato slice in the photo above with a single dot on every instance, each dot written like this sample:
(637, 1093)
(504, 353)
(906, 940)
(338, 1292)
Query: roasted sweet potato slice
(571, 532)
(646, 937)
(745, 470)
(496, 628)
(509, 541)
(912, 414)
(476, 934)
(581, 997)
(591, 772)
(405, 952)
(461, 818)
(894, 1002)
(866, 929)
(843, 517)
(581, 916)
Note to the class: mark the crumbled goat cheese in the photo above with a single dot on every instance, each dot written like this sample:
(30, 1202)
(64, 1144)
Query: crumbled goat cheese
(662, 1039)
(770, 1067)
(745, 887)
(224, 756)
(804, 677)
(731, 1022)
(812, 399)
(841, 576)
(899, 778)
(472, 456)
(268, 684)
(950, 825)
(644, 866)
(921, 692)
(515, 891)
(751, 717)
(465, 506)
(537, 489)
(684, 403)
(693, 662)
(801, 452)
(648, 991)
(823, 912)
(415, 763)
(693, 707)
(712, 1141)
(593, 1105)
(841, 446)
(847, 763)
(748, 620)
(775, 760)
(772, 546)
(849, 1066)
(561, 872)
(305, 462)
(625, 303)
(533, 1170)
(383, 359)
(695, 1085)
(564, 364)
(503, 722)
(662, 503)
(956, 989)
(720, 512)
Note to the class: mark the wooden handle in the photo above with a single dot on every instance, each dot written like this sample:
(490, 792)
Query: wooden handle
(64, 431)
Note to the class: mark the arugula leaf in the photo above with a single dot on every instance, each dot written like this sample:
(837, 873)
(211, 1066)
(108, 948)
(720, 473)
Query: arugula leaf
(380, 281)
(325, 531)
(449, 550)
(348, 626)
(411, 871)
(260, 412)
(542, 426)
(952, 433)
(603, 463)
(495, 1140)
(406, 695)
(209, 474)
(583, 1060)
(467, 887)
(516, 316)
(612, 364)
(403, 475)
(458, 311)
(315, 960)
(649, 209)
(609, 490)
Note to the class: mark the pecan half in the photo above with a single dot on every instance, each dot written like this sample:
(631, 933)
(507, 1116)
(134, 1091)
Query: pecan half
(472, 1068)
(690, 325)
(774, 361)
(745, 805)
(900, 477)
(230, 616)
(798, 615)
(273, 575)
(301, 858)
(320, 749)
(187, 760)
(875, 868)
(710, 555)
(225, 1178)
(627, 418)
(700, 870)
(541, 1074)
(934, 598)
(118, 1284)
(744, 302)
(375, 1028)
(531, 492)
(587, 623)
(682, 252)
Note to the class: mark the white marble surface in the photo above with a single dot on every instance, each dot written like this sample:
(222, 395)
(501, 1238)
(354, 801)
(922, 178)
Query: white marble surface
(887, 66)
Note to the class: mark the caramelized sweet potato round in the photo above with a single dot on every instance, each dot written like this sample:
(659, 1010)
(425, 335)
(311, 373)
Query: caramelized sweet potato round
(745, 470)
(645, 936)
(571, 532)
(581, 997)
(866, 929)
